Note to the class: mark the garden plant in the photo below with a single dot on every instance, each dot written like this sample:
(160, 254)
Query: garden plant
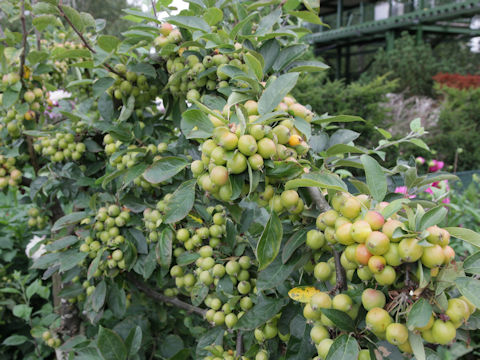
(186, 206)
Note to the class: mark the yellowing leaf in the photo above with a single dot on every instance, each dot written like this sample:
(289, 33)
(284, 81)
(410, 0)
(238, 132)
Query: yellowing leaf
(197, 219)
(303, 293)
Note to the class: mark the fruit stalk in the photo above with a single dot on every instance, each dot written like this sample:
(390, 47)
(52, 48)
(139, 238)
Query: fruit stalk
(166, 299)
(322, 205)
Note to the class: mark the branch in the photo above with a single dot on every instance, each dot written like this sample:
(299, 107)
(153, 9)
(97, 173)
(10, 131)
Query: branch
(166, 299)
(154, 8)
(37, 33)
(239, 347)
(32, 154)
(318, 199)
(24, 40)
(84, 41)
(340, 273)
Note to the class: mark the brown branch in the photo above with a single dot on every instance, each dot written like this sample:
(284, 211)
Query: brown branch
(84, 41)
(239, 346)
(322, 205)
(37, 33)
(163, 298)
(33, 156)
(154, 8)
(318, 199)
(24, 40)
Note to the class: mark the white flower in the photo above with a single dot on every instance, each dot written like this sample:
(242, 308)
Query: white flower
(57, 95)
(40, 250)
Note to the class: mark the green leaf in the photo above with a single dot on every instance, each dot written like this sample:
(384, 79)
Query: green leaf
(187, 258)
(213, 16)
(420, 143)
(254, 64)
(111, 345)
(143, 68)
(211, 337)
(343, 149)
(269, 50)
(307, 16)
(41, 22)
(307, 66)
(419, 314)
(294, 242)
(74, 17)
(164, 169)
(433, 217)
(436, 178)
(345, 347)
(134, 15)
(342, 136)
(471, 264)
(376, 179)
(133, 341)
(108, 43)
(181, 202)
(393, 207)
(117, 300)
(70, 54)
(164, 248)
(15, 340)
(127, 109)
(45, 8)
(340, 319)
(149, 264)
(317, 179)
(416, 342)
(68, 220)
(189, 22)
(276, 91)
(199, 293)
(196, 125)
(277, 272)
(269, 244)
(101, 86)
(98, 296)
(467, 235)
(284, 170)
(326, 119)
(470, 288)
(260, 313)
(9, 97)
(22, 311)
(287, 55)
(62, 243)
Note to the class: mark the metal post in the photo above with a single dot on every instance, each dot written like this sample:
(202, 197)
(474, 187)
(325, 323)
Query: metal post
(419, 35)
(339, 13)
(347, 64)
(390, 8)
(338, 69)
(362, 12)
(390, 39)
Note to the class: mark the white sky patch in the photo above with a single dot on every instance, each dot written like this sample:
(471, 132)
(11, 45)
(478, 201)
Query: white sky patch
(146, 6)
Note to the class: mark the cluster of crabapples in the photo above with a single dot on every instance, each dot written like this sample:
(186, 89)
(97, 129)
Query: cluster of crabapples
(168, 35)
(16, 118)
(105, 236)
(127, 159)
(373, 246)
(35, 220)
(50, 339)
(219, 353)
(60, 147)
(129, 83)
(232, 150)
(9, 174)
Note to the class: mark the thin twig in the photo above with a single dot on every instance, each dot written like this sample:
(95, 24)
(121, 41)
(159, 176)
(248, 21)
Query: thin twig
(32, 154)
(154, 9)
(163, 298)
(80, 35)
(239, 346)
(340, 273)
(24, 40)
(37, 33)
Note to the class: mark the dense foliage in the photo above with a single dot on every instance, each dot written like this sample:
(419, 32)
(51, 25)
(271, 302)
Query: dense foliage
(187, 206)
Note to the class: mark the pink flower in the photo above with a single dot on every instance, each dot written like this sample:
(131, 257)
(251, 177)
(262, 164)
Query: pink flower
(403, 190)
(435, 165)
(429, 191)
(446, 201)
(420, 160)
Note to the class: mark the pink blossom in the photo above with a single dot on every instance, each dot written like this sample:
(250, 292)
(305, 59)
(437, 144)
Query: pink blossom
(429, 191)
(435, 165)
(446, 201)
(420, 160)
(403, 190)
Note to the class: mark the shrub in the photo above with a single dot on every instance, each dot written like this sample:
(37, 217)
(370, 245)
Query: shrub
(360, 99)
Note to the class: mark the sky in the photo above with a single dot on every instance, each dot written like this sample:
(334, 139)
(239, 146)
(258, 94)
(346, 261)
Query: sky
(146, 6)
